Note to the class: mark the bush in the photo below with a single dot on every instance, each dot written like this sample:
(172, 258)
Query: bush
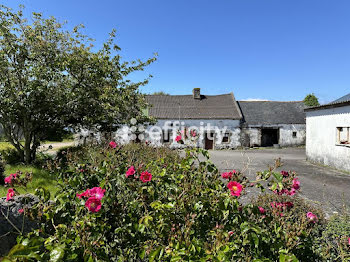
(287, 217)
(11, 156)
(334, 244)
(138, 203)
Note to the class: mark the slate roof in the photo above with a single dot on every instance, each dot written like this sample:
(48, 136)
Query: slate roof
(186, 107)
(272, 112)
(343, 101)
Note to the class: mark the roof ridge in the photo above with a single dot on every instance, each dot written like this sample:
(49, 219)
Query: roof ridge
(188, 95)
(269, 101)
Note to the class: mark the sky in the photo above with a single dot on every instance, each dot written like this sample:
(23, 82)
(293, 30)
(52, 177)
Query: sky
(258, 49)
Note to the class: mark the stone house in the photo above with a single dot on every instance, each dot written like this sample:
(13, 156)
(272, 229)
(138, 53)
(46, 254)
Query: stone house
(328, 133)
(217, 118)
(266, 123)
(224, 122)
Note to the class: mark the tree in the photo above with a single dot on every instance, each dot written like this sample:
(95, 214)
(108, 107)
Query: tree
(311, 100)
(160, 93)
(51, 79)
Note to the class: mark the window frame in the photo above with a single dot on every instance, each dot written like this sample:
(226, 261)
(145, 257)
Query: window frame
(228, 137)
(339, 142)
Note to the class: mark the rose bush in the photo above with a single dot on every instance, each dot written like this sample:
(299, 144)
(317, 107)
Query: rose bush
(137, 203)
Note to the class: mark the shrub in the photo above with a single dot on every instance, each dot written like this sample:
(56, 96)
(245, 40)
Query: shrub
(286, 216)
(10, 156)
(334, 243)
(138, 203)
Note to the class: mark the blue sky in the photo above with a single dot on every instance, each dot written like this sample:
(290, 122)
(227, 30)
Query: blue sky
(267, 49)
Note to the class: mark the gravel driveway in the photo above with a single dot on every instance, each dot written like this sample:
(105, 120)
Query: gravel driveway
(326, 186)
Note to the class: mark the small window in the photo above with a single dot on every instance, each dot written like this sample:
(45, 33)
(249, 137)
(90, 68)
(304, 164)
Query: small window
(343, 135)
(226, 138)
(294, 134)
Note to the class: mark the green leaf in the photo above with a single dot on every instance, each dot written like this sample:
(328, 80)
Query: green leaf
(57, 253)
(154, 254)
(278, 177)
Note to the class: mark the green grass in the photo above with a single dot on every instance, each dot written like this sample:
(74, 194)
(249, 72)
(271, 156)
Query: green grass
(41, 178)
(5, 145)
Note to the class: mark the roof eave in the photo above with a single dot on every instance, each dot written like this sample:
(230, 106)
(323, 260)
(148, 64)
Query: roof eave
(327, 106)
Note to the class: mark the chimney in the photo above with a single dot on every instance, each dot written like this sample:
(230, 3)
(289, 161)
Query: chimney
(196, 93)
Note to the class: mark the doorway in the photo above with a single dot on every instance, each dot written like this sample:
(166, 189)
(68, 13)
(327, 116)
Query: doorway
(209, 140)
(269, 136)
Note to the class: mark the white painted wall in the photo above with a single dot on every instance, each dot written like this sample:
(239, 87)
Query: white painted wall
(321, 137)
(285, 134)
(232, 126)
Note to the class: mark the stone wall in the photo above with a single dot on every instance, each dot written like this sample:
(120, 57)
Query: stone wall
(12, 222)
(253, 134)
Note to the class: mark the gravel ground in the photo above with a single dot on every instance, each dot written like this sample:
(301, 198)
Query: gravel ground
(325, 186)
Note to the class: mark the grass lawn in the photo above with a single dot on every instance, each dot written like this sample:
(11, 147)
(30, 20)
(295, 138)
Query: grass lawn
(5, 145)
(41, 178)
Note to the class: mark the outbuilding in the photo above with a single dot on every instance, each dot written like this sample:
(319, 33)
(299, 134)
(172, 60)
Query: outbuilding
(328, 133)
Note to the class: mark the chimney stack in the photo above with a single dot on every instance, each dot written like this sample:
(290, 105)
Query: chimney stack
(196, 93)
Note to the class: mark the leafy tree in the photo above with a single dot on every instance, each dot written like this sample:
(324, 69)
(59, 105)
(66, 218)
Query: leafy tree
(51, 79)
(311, 100)
(160, 93)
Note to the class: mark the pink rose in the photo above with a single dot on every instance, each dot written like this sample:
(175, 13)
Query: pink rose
(349, 241)
(235, 188)
(8, 180)
(261, 210)
(10, 194)
(96, 192)
(20, 211)
(296, 183)
(284, 173)
(226, 175)
(230, 233)
(292, 192)
(145, 176)
(84, 194)
(312, 217)
(178, 138)
(130, 171)
(93, 204)
(112, 144)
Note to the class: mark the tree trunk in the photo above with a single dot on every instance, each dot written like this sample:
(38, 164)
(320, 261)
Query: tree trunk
(27, 151)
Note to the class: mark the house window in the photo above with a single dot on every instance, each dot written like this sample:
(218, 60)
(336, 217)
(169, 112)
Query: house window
(294, 134)
(226, 138)
(343, 136)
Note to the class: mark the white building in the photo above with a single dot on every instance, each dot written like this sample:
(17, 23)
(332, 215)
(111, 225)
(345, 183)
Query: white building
(328, 133)
(220, 122)
(217, 118)
(266, 123)
(244, 123)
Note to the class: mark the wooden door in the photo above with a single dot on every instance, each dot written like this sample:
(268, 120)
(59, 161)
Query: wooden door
(209, 141)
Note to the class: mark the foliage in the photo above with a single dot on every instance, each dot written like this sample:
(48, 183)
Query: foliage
(160, 93)
(11, 156)
(41, 178)
(311, 100)
(51, 79)
(182, 211)
(289, 221)
(334, 243)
